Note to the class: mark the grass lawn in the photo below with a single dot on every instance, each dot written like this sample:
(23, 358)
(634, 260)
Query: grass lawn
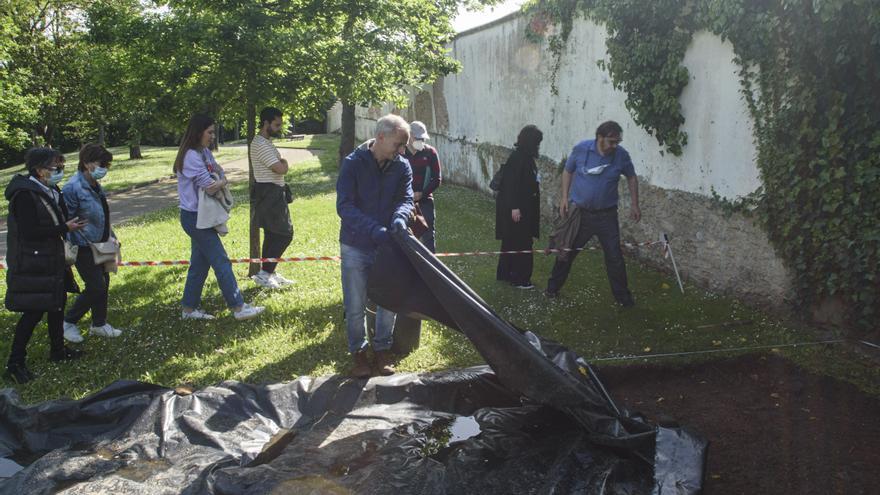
(302, 332)
(328, 142)
(124, 173)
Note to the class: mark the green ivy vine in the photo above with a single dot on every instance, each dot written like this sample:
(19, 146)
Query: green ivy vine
(810, 73)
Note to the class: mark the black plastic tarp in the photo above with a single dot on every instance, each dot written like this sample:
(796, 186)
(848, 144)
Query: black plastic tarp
(537, 420)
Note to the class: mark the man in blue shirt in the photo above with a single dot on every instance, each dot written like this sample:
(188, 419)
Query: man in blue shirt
(373, 197)
(589, 183)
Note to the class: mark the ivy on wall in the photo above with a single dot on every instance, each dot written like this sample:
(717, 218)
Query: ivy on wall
(810, 74)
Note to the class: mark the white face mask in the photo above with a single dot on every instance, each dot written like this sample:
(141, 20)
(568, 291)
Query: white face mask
(418, 145)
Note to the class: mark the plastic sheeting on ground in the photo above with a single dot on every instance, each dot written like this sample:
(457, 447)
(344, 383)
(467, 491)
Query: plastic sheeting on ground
(538, 421)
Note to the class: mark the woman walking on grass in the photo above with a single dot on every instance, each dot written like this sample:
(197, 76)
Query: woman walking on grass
(197, 171)
(86, 199)
(38, 276)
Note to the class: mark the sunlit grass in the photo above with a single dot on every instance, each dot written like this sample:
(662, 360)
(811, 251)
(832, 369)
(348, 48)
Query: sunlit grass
(302, 332)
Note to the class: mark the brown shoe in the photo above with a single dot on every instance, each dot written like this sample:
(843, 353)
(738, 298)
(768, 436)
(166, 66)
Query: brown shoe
(384, 363)
(361, 368)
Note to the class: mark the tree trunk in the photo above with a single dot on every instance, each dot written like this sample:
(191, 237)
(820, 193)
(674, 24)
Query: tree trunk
(253, 229)
(215, 143)
(346, 142)
(102, 134)
(134, 143)
(47, 135)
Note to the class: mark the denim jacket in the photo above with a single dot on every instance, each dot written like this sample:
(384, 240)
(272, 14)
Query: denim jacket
(86, 203)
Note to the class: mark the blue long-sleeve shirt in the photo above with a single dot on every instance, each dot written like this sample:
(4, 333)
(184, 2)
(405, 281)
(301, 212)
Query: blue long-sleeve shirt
(369, 198)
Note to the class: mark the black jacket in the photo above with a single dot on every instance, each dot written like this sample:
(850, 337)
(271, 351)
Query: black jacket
(37, 276)
(519, 190)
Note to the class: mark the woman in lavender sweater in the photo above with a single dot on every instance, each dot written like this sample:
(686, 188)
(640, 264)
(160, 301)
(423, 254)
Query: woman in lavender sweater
(194, 167)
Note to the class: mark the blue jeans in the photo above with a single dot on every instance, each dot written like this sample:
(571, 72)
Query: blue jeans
(427, 207)
(356, 263)
(207, 252)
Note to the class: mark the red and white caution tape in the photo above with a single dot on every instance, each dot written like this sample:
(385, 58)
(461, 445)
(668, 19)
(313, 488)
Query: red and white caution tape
(337, 258)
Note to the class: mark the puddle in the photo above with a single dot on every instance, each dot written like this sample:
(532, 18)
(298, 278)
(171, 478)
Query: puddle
(444, 432)
(310, 485)
(141, 470)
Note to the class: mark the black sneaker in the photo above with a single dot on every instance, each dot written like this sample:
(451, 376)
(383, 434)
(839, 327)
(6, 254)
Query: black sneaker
(550, 294)
(65, 354)
(525, 286)
(19, 373)
(627, 304)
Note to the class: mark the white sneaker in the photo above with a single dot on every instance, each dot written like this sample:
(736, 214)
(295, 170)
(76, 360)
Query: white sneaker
(105, 331)
(196, 314)
(247, 312)
(264, 279)
(71, 333)
(280, 280)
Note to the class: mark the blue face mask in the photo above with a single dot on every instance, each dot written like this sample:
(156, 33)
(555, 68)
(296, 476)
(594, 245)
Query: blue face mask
(56, 177)
(99, 173)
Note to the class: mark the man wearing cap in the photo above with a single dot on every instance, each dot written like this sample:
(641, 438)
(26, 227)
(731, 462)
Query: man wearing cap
(589, 189)
(426, 176)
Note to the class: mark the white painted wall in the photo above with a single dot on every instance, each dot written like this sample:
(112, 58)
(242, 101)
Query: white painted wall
(505, 84)
(474, 117)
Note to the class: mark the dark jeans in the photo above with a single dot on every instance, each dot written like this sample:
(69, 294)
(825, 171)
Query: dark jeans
(95, 295)
(274, 245)
(427, 207)
(25, 328)
(516, 268)
(603, 225)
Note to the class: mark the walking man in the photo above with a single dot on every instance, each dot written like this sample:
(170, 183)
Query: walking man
(589, 189)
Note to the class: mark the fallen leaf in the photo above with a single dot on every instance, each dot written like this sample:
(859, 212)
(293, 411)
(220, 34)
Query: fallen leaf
(647, 349)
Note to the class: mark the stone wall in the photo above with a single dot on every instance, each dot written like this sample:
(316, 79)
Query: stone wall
(474, 117)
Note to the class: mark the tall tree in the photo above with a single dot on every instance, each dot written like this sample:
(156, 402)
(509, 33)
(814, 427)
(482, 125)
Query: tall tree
(47, 48)
(253, 53)
(386, 46)
(17, 109)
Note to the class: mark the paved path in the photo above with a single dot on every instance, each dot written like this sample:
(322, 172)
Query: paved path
(130, 204)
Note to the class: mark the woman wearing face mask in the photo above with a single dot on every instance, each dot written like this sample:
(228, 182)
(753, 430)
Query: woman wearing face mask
(85, 199)
(193, 167)
(38, 278)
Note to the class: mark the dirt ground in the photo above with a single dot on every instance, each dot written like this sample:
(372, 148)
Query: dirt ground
(773, 428)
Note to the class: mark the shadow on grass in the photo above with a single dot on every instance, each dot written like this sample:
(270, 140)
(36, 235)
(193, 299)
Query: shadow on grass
(311, 182)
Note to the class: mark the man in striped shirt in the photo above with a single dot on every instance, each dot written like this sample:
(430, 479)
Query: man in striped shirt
(271, 196)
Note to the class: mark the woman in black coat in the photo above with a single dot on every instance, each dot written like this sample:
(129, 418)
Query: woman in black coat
(518, 209)
(38, 277)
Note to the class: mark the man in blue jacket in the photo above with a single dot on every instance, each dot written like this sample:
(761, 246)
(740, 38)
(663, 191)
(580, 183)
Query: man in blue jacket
(373, 198)
(589, 183)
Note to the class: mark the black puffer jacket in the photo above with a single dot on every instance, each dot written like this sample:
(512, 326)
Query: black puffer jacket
(37, 276)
